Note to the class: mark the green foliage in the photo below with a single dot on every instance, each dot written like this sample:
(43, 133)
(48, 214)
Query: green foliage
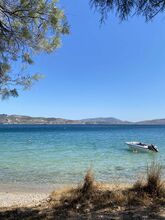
(26, 28)
(125, 8)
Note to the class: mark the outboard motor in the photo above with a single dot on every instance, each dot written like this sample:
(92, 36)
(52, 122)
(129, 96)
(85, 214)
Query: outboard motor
(153, 148)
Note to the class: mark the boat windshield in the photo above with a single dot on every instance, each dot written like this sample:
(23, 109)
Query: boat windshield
(141, 144)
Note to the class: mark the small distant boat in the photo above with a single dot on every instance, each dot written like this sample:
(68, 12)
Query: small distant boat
(138, 146)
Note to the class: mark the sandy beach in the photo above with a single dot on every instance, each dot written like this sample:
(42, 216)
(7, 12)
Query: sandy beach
(17, 199)
(23, 195)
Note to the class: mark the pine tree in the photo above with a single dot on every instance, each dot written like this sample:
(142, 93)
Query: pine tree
(125, 8)
(27, 27)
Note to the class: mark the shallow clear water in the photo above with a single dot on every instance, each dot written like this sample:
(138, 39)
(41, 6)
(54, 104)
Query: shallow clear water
(62, 153)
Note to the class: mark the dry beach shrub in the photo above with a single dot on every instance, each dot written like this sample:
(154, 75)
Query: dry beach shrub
(91, 196)
(150, 191)
(88, 197)
(153, 185)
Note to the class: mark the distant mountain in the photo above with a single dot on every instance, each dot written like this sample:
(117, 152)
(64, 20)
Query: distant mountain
(103, 121)
(21, 119)
(153, 122)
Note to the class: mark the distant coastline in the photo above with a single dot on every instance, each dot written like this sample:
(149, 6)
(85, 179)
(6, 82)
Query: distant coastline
(22, 119)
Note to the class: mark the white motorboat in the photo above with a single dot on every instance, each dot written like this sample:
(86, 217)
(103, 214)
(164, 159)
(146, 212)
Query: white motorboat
(138, 146)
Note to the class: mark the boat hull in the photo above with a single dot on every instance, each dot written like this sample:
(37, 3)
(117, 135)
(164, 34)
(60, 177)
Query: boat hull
(138, 149)
(135, 146)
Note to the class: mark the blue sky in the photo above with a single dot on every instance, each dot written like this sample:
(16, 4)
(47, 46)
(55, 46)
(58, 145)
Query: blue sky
(113, 70)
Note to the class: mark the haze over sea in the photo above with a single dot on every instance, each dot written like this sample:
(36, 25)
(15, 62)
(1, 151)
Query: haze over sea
(61, 154)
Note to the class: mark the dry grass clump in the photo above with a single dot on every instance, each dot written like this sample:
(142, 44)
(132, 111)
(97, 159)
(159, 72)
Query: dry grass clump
(153, 186)
(150, 191)
(90, 196)
(79, 197)
(137, 198)
(88, 185)
(87, 197)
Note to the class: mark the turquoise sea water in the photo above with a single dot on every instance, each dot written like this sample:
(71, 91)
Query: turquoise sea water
(59, 154)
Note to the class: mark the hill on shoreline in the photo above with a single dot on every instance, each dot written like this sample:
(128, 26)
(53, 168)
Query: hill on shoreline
(21, 119)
